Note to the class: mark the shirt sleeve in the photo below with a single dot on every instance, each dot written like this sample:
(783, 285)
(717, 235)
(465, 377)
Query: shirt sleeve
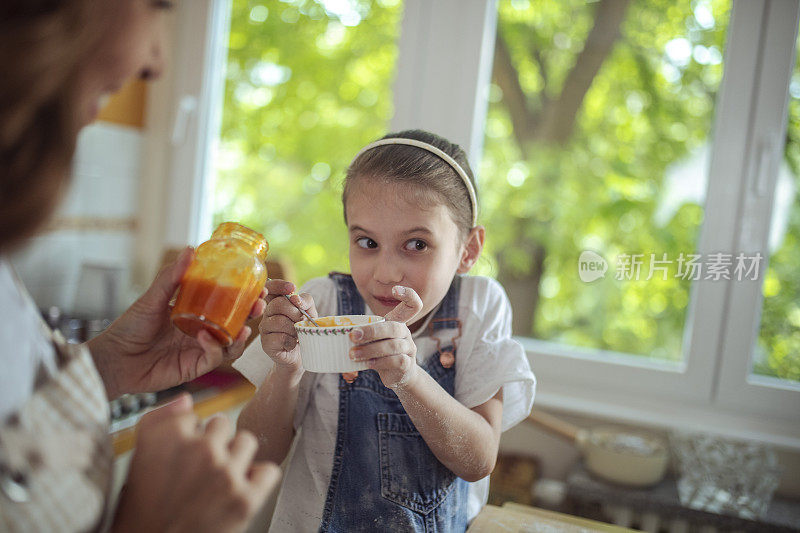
(488, 358)
(254, 364)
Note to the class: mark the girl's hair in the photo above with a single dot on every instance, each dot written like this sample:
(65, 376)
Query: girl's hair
(428, 173)
(43, 44)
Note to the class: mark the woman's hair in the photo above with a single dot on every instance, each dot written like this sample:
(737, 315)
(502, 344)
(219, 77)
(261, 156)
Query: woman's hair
(428, 173)
(43, 44)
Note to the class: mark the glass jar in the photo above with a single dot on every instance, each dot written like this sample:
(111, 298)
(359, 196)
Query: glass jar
(222, 283)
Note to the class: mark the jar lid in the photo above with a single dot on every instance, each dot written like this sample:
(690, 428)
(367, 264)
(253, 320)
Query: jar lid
(238, 231)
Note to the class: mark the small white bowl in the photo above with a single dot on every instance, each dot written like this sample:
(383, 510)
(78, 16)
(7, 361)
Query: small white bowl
(327, 348)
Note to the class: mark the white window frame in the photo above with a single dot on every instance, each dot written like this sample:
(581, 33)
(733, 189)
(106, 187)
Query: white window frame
(444, 66)
(757, 177)
(712, 389)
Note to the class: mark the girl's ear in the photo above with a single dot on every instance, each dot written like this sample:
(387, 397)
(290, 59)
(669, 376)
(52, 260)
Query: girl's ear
(472, 249)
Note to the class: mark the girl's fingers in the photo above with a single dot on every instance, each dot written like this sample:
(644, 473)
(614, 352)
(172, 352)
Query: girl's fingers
(282, 306)
(392, 362)
(384, 348)
(379, 331)
(409, 307)
(277, 324)
(277, 342)
(305, 302)
(276, 288)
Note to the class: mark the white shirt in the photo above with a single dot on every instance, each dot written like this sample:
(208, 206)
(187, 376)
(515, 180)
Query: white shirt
(486, 360)
(23, 346)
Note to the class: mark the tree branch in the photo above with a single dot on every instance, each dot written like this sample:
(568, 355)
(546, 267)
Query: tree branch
(507, 78)
(559, 117)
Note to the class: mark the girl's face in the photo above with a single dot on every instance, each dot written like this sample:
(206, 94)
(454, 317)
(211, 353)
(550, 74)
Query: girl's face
(397, 240)
(131, 45)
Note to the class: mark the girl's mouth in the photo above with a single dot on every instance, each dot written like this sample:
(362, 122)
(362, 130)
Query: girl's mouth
(388, 302)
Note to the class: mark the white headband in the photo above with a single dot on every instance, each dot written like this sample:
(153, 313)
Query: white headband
(432, 149)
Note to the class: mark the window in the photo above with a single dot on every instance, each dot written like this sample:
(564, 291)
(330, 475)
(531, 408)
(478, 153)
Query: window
(598, 141)
(307, 85)
(664, 139)
(777, 352)
(630, 141)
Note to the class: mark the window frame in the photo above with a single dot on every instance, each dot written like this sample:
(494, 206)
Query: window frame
(447, 92)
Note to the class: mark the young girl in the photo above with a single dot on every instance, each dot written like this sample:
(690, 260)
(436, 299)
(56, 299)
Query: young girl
(409, 444)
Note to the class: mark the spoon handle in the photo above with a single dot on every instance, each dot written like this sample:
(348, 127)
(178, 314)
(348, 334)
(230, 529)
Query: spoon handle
(302, 311)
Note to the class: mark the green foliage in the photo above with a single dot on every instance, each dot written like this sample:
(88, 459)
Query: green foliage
(600, 190)
(304, 92)
(779, 338)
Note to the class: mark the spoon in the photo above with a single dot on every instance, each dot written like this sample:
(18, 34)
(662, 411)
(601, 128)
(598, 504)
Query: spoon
(304, 313)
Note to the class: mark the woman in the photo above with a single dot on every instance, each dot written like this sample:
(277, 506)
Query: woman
(59, 58)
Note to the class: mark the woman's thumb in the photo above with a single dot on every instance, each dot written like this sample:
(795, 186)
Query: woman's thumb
(410, 305)
(168, 279)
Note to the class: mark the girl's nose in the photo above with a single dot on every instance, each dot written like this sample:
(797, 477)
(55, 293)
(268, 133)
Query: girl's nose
(388, 270)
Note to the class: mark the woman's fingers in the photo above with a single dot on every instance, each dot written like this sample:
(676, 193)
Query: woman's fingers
(258, 308)
(264, 479)
(213, 355)
(239, 344)
(218, 432)
(243, 448)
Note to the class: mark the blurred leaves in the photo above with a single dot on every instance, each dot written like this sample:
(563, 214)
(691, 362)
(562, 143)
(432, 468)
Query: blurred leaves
(306, 87)
(309, 83)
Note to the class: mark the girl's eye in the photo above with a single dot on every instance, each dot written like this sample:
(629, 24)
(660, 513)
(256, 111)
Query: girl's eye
(416, 245)
(163, 4)
(366, 242)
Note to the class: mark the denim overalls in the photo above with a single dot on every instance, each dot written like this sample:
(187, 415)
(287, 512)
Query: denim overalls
(384, 477)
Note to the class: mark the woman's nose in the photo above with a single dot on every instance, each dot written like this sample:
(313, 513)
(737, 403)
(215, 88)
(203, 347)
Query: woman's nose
(155, 62)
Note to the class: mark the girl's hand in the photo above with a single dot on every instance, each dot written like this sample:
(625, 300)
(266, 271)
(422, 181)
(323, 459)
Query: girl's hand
(142, 351)
(184, 477)
(278, 336)
(387, 346)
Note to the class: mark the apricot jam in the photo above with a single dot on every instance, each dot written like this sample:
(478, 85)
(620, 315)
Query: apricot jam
(222, 283)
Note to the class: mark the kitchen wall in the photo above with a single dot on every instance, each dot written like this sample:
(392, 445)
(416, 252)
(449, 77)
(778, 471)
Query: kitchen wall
(85, 253)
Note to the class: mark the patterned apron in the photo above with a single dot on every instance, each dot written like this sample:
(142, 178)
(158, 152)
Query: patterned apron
(55, 451)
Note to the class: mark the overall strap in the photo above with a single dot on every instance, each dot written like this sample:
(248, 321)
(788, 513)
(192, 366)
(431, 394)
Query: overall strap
(446, 317)
(349, 301)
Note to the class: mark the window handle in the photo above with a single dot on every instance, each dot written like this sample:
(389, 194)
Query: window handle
(763, 166)
(186, 109)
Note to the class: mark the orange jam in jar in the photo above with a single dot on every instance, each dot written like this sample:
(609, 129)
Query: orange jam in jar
(222, 283)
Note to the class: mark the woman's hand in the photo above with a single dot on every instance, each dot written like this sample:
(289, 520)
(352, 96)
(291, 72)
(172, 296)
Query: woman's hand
(387, 346)
(142, 351)
(278, 336)
(185, 478)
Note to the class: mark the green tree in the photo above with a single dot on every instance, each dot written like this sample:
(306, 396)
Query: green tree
(589, 113)
(305, 89)
(591, 103)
